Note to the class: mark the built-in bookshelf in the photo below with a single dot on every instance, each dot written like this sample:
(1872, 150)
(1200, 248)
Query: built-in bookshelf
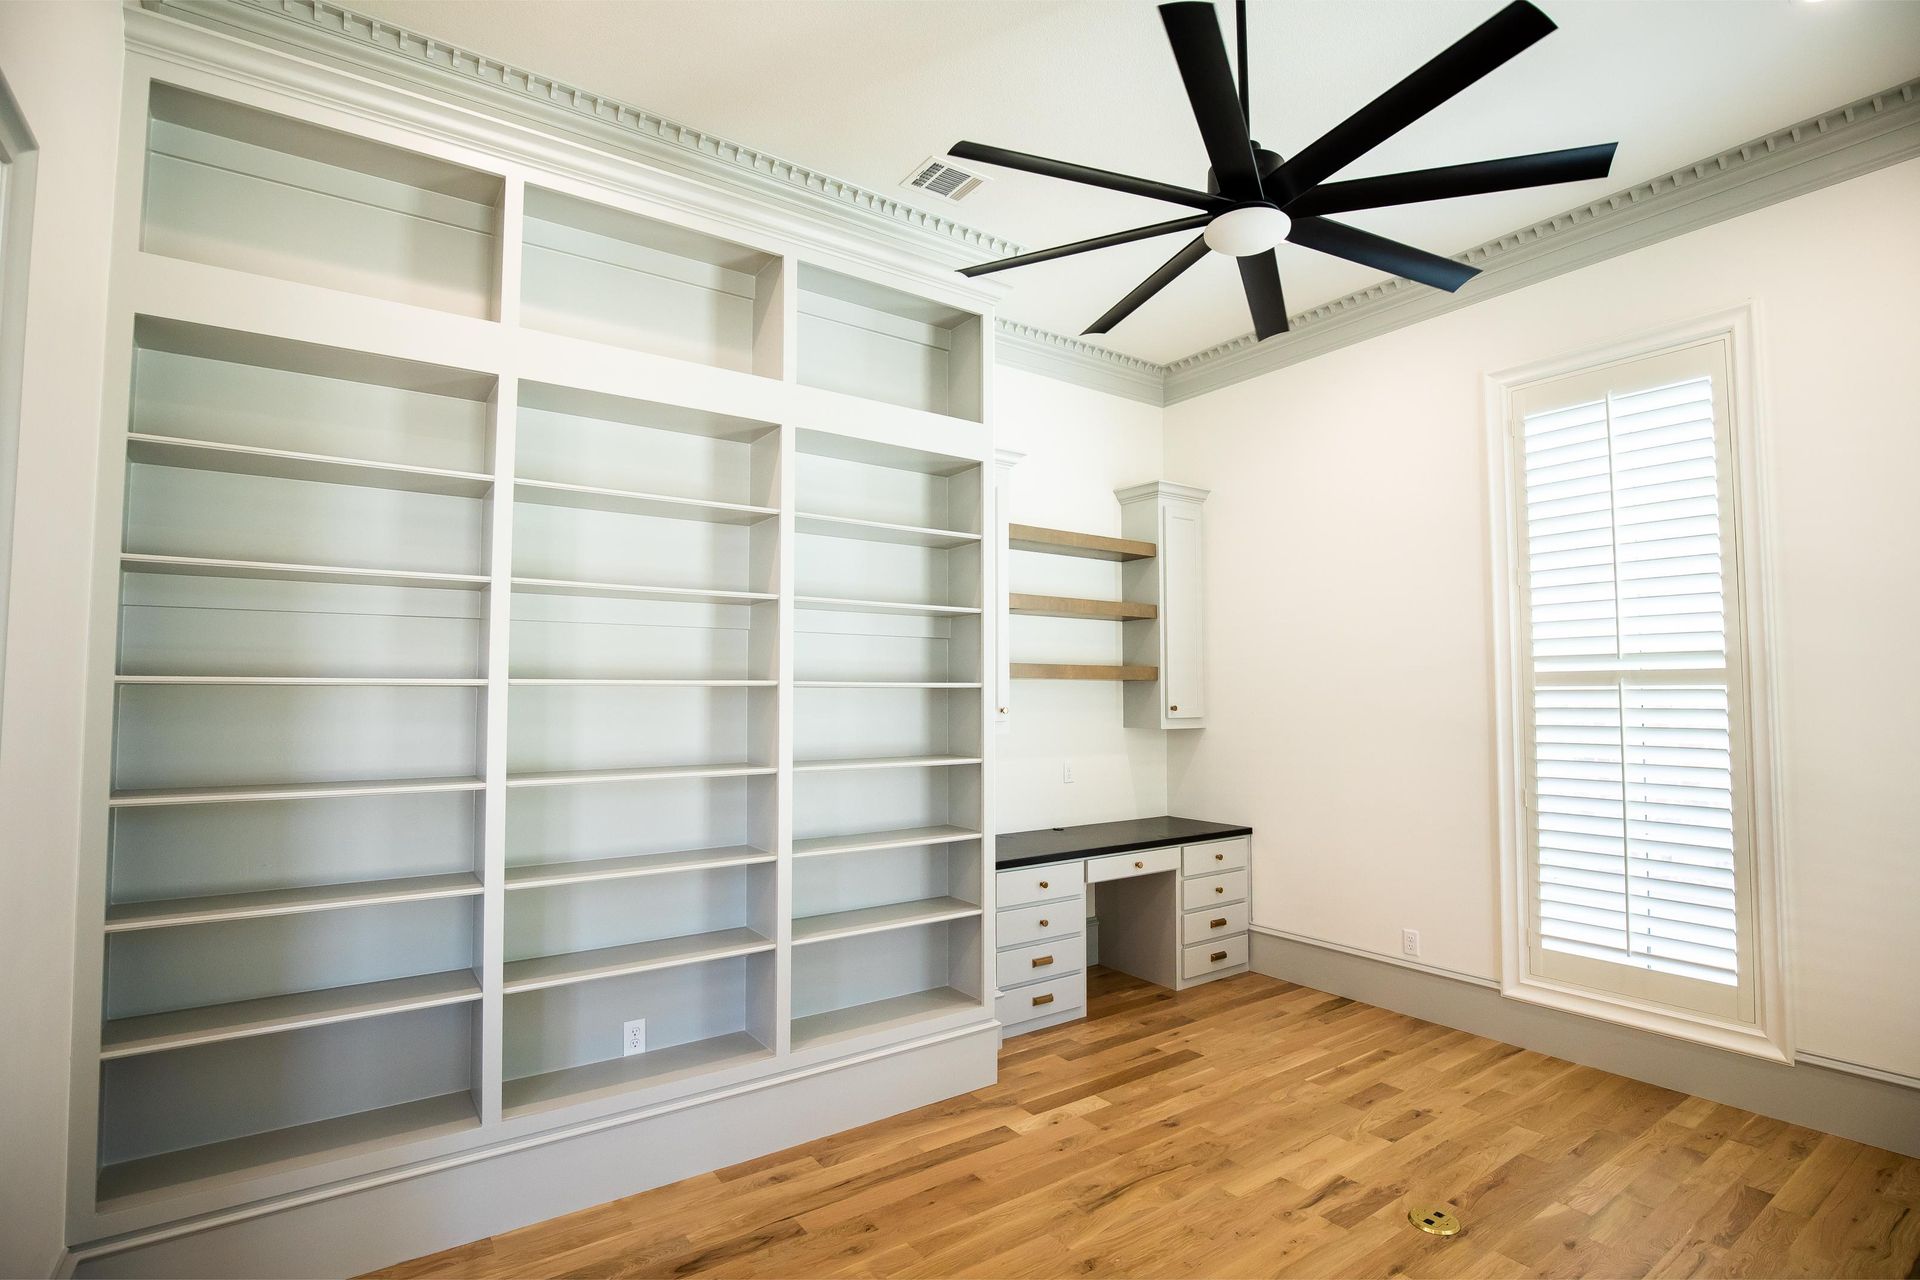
(590, 715)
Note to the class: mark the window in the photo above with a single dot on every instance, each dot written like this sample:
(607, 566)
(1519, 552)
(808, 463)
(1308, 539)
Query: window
(1638, 884)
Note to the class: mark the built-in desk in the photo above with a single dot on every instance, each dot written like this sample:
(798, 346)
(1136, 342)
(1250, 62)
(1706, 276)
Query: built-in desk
(1172, 904)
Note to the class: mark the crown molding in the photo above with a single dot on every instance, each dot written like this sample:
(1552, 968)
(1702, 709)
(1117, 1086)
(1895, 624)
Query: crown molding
(1846, 142)
(1054, 355)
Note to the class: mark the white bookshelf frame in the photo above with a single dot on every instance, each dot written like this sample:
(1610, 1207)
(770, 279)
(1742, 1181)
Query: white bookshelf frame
(489, 341)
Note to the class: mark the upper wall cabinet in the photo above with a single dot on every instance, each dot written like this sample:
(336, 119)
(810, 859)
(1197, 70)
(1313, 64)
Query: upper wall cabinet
(881, 344)
(1174, 582)
(232, 186)
(592, 271)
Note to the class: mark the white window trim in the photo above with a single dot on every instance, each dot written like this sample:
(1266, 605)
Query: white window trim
(1769, 1035)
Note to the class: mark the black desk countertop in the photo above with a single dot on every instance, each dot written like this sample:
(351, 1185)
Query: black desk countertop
(1062, 844)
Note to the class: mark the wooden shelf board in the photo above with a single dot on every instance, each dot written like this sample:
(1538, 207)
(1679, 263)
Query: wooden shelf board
(290, 791)
(1080, 671)
(648, 682)
(255, 1155)
(210, 1024)
(1071, 607)
(541, 972)
(1065, 542)
(166, 913)
(286, 464)
(543, 875)
(588, 777)
(886, 684)
(324, 682)
(895, 915)
(551, 493)
(628, 591)
(204, 567)
(881, 531)
(895, 1012)
(617, 1076)
(882, 762)
(835, 604)
(898, 838)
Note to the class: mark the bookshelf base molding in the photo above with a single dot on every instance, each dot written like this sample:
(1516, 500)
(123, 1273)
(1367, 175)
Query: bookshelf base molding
(357, 1225)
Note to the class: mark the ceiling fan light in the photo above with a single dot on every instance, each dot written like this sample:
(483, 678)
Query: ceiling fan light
(1251, 229)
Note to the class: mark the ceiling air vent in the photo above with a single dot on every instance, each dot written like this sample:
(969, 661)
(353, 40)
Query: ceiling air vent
(940, 177)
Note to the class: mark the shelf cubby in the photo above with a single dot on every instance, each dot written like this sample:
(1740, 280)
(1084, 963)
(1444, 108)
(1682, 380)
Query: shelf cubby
(878, 890)
(850, 812)
(233, 186)
(637, 831)
(604, 731)
(611, 444)
(852, 723)
(609, 275)
(867, 983)
(866, 491)
(878, 343)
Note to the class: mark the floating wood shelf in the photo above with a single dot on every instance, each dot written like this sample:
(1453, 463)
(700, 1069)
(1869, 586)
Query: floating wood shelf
(1065, 542)
(1080, 671)
(1069, 607)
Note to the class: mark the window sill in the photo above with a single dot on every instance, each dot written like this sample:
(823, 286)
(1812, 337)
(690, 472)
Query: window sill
(1735, 1037)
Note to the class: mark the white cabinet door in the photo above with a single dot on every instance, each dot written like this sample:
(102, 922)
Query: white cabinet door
(1182, 682)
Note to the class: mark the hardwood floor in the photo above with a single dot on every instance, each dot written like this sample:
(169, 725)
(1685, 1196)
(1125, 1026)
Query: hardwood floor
(1256, 1128)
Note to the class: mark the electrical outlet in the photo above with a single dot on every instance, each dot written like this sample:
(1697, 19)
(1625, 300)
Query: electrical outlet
(636, 1037)
(1410, 941)
(1066, 771)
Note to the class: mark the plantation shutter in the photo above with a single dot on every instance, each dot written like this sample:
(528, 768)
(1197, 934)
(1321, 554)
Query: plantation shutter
(1625, 579)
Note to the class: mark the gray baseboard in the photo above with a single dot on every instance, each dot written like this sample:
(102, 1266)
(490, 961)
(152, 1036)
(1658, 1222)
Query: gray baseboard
(1879, 1112)
(390, 1221)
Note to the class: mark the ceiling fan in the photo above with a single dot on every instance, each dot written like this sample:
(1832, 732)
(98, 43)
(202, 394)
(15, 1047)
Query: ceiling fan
(1256, 199)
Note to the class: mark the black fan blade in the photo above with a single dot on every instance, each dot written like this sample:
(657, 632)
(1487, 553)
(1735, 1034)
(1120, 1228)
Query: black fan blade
(1194, 33)
(1081, 173)
(1151, 285)
(1240, 40)
(1474, 55)
(1194, 223)
(1368, 249)
(1260, 276)
(1543, 169)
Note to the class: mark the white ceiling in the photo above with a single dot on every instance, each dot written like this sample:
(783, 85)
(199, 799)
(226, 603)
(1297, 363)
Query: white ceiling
(866, 89)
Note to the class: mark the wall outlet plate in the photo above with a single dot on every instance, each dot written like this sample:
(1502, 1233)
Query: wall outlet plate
(635, 1037)
(1066, 771)
(1410, 941)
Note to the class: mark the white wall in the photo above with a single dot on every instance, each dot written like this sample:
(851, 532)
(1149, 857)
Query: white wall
(63, 63)
(1081, 445)
(1350, 616)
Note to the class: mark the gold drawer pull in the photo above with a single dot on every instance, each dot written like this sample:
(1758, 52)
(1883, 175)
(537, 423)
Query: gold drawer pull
(1219, 857)
(1043, 924)
(1218, 956)
(1046, 999)
(1218, 922)
(1174, 707)
(1041, 962)
(1219, 888)
(1043, 884)
(1139, 864)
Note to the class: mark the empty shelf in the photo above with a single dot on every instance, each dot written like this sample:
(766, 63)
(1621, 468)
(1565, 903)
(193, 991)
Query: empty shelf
(634, 957)
(882, 762)
(541, 875)
(405, 682)
(291, 791)
(209, 1024)
(588, 497)
(886, 684)
(881, 531)
(256, 1154)
(895, 1012)
(165, 913)
(626, 591)
(639, 681)
(1065, 542)
(836, 605)
(898, 838)
(1080, 671)
(1071, 607)
(239, 459)
(894, 915)
(613, 1076)
(587, 777)
(203, 567)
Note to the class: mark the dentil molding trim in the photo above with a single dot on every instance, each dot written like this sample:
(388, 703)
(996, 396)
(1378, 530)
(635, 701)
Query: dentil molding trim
(1850, 140)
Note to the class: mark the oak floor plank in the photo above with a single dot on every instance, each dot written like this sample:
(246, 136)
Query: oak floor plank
(1253, 1128)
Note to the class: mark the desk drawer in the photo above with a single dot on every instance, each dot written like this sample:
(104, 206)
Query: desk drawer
(1041, 960)
(1213, 924)
(1141, 862)
(1022, 925)
(1213, 891)
(1218, 855)
(1046, 883)
(1042, 1000)
(1208, 957)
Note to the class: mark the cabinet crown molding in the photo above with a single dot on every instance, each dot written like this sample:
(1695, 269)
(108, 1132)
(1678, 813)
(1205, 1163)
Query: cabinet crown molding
(1157, 489)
